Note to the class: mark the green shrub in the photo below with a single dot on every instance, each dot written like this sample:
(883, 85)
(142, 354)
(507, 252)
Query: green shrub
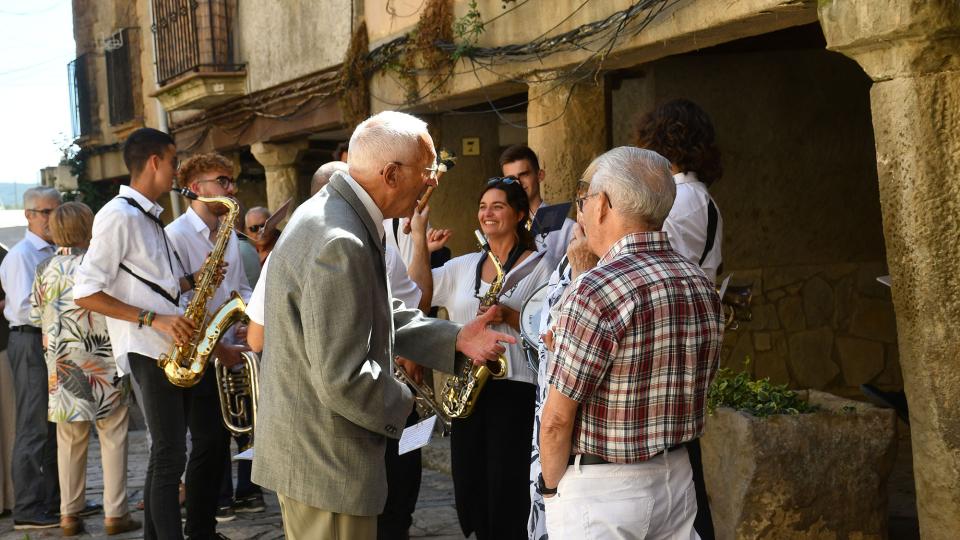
(760, 398)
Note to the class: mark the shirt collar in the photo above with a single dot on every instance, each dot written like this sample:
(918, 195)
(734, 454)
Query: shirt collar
(38, 243)
(639, 242)
(145, 203)
(371, 207)
(685, 177)
(196, 222)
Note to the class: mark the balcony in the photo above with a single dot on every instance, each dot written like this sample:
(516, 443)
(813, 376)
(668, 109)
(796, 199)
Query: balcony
(194, 48)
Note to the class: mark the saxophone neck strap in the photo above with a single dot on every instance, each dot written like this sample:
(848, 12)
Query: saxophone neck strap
(512, 259)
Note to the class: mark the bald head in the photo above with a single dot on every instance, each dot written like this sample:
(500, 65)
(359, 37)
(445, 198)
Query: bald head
(254, 221)
(323, 174)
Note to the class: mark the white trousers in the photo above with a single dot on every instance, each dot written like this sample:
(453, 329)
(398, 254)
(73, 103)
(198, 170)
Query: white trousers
(654, 499)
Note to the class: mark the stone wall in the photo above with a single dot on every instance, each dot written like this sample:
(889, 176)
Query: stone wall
(824, 326)
(800, 203)
(282, 41)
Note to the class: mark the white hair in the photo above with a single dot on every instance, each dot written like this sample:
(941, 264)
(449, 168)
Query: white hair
(638, 182)
(31, 195)
(385, 137)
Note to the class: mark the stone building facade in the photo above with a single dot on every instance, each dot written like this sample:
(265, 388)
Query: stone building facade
(837, 120)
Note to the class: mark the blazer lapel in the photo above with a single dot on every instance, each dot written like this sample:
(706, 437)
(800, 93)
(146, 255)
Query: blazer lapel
(338, 184)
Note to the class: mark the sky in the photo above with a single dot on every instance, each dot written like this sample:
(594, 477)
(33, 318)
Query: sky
(36, 44)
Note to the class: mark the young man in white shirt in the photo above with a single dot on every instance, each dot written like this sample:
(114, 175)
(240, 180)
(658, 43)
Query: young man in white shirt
(520, 162)
(194, 235)
(133, 276)
(35, 481)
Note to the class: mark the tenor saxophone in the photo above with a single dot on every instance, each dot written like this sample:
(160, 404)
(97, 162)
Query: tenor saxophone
(185, 364)
(461, 391)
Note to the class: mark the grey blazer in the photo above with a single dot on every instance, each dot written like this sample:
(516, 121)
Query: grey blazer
(328, 400)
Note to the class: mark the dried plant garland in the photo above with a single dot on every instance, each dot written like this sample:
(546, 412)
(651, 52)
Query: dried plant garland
(354, 87)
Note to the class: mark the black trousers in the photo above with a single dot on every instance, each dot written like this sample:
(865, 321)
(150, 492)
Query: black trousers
(245, 487)
(403, 489)
(703, 523)
(170, 410)
(35, 481)
(490, 455)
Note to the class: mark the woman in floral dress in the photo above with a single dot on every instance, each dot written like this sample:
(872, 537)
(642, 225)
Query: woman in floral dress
(82, 378)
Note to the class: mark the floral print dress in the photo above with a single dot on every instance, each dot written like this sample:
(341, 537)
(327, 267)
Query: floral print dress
(81, 371)
(559, 281)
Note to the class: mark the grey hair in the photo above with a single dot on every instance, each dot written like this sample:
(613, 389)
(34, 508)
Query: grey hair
(382, 138)
(31, 195)
(323, 174)
(637, 181)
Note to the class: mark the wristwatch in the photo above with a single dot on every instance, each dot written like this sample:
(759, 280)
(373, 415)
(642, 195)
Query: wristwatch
(543, 489)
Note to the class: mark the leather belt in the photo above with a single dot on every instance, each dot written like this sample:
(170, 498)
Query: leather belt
(26, 328)
(590, 459)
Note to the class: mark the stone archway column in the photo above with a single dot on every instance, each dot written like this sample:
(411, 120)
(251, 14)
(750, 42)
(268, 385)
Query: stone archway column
(911, 50)
(568, 128)
(279, 161)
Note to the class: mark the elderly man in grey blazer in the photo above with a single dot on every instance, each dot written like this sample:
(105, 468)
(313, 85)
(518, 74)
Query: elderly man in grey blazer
(328, 398)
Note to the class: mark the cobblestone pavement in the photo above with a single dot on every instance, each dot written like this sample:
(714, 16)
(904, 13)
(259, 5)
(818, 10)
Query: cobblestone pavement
(434, 518)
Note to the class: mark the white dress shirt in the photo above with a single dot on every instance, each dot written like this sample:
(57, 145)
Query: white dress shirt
(17, 272)
(686, 226)
(453, 288)
(122, 234)
(191, 238)
(255, 307)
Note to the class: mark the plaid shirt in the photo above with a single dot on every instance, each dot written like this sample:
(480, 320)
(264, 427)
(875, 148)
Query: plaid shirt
(637, 344)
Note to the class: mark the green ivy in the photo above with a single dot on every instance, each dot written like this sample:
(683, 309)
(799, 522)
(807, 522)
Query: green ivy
(760, 398)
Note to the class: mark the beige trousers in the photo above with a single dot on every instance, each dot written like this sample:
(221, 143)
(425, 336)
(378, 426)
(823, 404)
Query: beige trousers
(8, 423)
(302, 522)
(72, 442)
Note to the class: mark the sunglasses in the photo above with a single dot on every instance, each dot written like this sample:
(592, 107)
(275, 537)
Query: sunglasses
(46, 211)
(224, 181)
(257, 228)
(505, 180)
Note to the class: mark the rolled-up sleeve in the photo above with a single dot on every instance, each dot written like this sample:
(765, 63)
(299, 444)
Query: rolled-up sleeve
(584, 347)
(102, 261)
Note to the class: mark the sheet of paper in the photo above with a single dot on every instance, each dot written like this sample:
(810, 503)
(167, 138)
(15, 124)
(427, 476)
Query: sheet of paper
(246, 454)
(884, 279)
(417, 435)
(723, 286)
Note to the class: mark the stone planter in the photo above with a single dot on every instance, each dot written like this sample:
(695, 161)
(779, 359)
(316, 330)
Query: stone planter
(819, 475)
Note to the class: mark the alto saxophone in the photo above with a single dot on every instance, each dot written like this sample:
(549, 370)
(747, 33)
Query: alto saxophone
(460, 392)
(185, 364)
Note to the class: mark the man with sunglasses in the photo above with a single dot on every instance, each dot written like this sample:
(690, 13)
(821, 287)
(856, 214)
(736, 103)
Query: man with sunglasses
(193, 235)
(35, 480)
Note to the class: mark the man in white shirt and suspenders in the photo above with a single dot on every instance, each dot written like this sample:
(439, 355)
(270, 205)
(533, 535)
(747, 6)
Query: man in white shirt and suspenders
(133, 275)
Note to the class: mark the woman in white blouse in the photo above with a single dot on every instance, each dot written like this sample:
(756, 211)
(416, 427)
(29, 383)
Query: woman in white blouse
(490, 450)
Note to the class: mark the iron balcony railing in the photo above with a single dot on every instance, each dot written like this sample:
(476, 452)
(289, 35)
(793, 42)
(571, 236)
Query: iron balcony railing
(193, 36)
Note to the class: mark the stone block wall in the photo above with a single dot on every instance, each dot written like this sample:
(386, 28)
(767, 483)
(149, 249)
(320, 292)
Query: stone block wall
(800, 203)
(829, 327)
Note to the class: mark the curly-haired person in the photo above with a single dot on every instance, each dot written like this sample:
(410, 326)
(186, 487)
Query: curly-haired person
(681, 131)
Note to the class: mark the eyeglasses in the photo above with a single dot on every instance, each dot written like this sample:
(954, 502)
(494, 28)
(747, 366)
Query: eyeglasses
(223, 180)
(505, 180)
(582, 187)
(257, 228)
(45, 211)
(432, 173)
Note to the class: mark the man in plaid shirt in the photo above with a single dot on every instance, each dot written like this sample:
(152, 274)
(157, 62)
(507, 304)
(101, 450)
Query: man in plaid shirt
(636, 342)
